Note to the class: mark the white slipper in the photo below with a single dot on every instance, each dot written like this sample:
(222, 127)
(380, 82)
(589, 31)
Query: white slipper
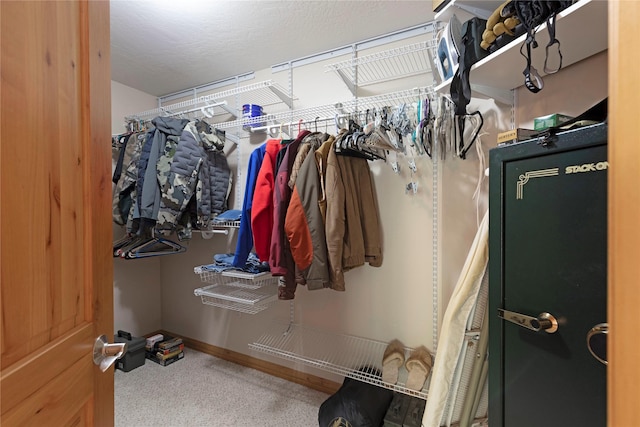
(419, 366)
(392, 360)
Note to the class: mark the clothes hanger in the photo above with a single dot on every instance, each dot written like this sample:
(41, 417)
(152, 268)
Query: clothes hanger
(424, 128)
(273, 131)
(369, 126)
(353, 143)
(417, 130)
(119, 244)
(133, 241)
(154, 247)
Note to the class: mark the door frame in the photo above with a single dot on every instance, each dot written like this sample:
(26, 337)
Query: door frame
(623, 381)
(97, 57)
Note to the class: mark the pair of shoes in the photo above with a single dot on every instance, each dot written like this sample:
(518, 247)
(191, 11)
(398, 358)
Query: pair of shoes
(418, 365)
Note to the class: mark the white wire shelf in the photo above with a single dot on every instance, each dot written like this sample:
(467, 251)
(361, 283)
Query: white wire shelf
(266, 93)
(328, 111)
(392, 64)
(339, 354)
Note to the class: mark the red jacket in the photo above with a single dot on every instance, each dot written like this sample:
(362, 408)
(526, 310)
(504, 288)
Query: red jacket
(262, 209)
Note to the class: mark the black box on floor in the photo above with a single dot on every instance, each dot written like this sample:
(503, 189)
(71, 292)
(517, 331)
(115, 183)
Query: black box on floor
(134, 356)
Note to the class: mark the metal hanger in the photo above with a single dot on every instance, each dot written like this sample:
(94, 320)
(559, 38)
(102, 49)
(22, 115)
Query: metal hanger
(154, 247)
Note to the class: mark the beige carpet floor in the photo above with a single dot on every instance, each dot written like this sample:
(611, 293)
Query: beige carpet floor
(204, 391)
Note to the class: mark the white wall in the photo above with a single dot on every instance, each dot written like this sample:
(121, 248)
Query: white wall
(125, 101)
(136, 283)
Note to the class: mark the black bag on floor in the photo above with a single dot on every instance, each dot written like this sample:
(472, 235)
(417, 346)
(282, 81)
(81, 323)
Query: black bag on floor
(356, 404)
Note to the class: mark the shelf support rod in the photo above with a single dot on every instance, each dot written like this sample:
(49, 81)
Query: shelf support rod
(291, 314)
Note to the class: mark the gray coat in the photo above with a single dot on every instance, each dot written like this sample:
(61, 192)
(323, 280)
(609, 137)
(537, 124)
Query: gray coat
(198, 167)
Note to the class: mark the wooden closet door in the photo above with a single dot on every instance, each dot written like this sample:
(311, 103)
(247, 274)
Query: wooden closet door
(57, 287)
(624, 215)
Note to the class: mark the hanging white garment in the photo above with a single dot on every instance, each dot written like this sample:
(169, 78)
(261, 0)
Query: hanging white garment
(456, 316)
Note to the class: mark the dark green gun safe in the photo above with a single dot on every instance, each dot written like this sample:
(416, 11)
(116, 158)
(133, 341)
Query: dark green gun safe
(548, 281)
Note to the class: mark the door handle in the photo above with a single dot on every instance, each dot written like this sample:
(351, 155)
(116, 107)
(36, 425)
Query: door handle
(597, 342)
(105, 354)
(544, 322)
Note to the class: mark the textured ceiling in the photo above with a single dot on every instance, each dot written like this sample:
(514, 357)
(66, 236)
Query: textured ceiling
(163, 46)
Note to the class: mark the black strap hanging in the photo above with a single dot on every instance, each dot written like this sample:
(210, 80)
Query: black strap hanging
(460, 148)
(532, 79)
(463, 150)
(551, 27)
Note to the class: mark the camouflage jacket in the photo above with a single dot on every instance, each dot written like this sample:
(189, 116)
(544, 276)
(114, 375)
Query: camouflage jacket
(195, 166)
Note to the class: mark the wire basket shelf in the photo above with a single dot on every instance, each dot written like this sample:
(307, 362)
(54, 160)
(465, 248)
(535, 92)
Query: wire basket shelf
(237, 290)
(237, 279)
(236, 299)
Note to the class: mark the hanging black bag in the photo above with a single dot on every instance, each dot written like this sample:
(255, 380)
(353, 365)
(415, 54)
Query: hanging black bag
(470, 53)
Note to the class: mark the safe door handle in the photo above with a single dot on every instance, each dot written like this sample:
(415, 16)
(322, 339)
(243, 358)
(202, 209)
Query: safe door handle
(597, 342)
(544, 322)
